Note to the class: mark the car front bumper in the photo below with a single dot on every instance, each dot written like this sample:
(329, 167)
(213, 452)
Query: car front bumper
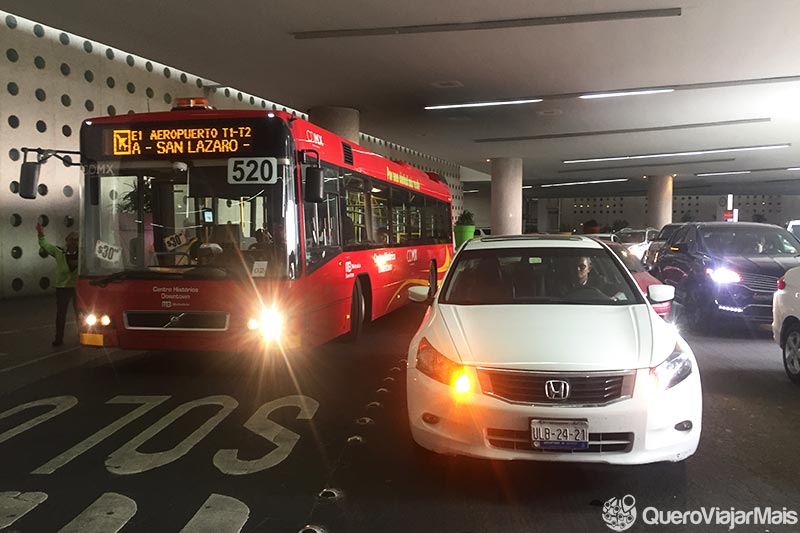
(636, 430)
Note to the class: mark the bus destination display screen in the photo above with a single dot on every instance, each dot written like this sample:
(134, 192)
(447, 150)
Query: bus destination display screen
(192, 139)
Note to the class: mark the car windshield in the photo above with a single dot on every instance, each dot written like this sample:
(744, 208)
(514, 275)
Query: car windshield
(538, 276)
(749, 241)
(631, 237)
(666, 232)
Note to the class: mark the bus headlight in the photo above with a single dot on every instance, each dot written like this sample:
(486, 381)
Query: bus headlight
(105, 320)
(269, 323)
(90, 319)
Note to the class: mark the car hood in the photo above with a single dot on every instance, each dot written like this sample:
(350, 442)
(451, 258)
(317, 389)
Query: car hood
(558, 337)
(761, 264)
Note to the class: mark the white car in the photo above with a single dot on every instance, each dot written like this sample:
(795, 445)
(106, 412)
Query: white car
(786, 321)
(517, 358)
(637, 240)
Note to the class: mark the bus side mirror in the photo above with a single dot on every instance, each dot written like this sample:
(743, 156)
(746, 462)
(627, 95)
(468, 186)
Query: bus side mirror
(315, 177)
(29, 179)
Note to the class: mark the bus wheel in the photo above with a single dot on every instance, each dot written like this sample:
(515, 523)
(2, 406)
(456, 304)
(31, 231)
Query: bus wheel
(357, 312)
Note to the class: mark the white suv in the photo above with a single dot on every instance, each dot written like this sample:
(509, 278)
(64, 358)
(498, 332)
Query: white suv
(786, 321)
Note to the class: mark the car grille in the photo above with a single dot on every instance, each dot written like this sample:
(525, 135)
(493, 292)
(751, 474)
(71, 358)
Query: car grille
(759, 282)
(529, 387)
(511, 439)
(166, 320)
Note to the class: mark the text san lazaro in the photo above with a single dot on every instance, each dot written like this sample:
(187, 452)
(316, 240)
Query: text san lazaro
(182, 140)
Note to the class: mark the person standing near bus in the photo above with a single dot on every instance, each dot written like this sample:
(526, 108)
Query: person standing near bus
(66, 278)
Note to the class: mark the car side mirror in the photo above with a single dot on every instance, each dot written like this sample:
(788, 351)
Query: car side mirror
(419, 294)
(433, 280)
(315, 180)
(660, 293)
(29, 179)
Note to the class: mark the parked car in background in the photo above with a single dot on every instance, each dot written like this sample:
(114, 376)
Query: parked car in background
(606, 237)
(636, 240)
(786, 322)
(657, 243)
(643, 278)
(793, 227)
(542, 347)
(482, 232)
(726, 268)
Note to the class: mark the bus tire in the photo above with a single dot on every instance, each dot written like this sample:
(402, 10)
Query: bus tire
(358, 307)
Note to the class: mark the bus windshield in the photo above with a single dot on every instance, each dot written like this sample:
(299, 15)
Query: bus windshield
(189, 223)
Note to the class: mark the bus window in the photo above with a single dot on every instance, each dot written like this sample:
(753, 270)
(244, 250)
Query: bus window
(354, 230)
(321, 222)
(379, 207)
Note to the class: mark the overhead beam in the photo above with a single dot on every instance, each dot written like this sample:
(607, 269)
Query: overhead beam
(490, 24)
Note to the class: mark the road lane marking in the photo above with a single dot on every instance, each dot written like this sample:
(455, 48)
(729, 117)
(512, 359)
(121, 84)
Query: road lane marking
(228, 462)
(148, 403)
(108, 514)
(37, 359)
(219, 514)
(34, 328)
(128, 460)
(14, 505)
(59, 403)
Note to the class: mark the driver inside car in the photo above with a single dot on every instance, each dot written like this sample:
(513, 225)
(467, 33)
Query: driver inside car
(582, 277)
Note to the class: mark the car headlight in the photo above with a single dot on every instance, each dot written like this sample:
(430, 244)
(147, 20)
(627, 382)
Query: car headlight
(269, 323)
(723, 275)
(676, 368)
(436, 366)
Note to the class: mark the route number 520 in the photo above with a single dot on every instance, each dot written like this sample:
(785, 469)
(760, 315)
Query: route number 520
(253, 170)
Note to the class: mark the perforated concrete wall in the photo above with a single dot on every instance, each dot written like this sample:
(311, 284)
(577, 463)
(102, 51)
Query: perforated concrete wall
(52, 81)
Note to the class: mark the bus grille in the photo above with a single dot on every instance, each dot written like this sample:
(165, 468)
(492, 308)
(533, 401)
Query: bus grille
(529, 387)
(178, 321)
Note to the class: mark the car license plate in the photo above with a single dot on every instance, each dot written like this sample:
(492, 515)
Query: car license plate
(560, 434)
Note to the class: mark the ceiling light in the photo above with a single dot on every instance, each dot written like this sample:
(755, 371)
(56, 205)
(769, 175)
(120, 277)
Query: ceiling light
(793, 168)
(485, 104)
(678, 154)
(527, 186)
(723, 173)
(582, 182)
(624, 93)
(472, 190)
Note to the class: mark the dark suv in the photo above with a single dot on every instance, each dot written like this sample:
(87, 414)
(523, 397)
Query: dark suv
(726, 268)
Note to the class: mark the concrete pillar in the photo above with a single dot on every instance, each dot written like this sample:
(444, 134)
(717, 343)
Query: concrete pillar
(542, 216)
(507, 196)
(343, 121)
(659, 201)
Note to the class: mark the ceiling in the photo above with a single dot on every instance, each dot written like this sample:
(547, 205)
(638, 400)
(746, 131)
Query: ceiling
(721, 56)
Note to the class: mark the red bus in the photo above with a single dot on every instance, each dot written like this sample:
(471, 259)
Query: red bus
(206, 229)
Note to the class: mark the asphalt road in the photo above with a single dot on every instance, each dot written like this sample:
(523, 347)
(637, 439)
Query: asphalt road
(217, 442)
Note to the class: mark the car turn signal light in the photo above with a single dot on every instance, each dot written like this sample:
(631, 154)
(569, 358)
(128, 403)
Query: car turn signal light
(436, 366)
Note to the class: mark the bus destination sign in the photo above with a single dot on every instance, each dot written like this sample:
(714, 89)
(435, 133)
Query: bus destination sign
(159, 140)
